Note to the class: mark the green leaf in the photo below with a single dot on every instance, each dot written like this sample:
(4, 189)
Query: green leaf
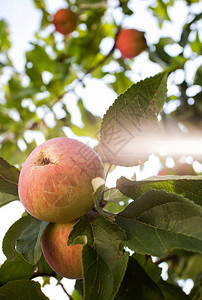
(171, 291)
(158, 221)
(196, 44)
(187, 186)
(98, 280)
(8, 182)
(97, 196)
(137, 282)
(79, 287)
(196, 292)
(28, 243)
(153, 271)
(122, 83)
(143, 278)
(45, 63)
(8, 178)
(75, 295)
(114, 195)
(9, 241)
(130, 125)
(43, 267)
(105, 243)
(6, 198)
(198, 76)
(22, 290)
(17, 269)
(115, 201)
(193, 266)
(83, 229)
(187, 30)
(91, 123)
(4, 36)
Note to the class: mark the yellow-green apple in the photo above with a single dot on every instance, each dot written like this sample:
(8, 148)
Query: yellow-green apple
(130, 42)
(65, 21)
(55, 180)
(64, 260)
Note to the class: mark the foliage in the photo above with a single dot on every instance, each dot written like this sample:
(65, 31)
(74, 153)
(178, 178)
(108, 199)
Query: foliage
(160, 216)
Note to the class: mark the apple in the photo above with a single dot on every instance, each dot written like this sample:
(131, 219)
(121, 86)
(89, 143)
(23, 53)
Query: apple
(130, 42)
(65, 21)
(55, 180)
(64, 260)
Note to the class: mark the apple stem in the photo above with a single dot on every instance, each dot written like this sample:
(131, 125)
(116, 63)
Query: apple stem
(98, 197)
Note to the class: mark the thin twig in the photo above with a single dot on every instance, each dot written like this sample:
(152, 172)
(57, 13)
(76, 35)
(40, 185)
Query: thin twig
(110, 189)
(66, 292)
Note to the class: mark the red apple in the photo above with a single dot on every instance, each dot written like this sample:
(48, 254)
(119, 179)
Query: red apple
(65, 21)
(64, 260)
(130, 42)
(55, 180)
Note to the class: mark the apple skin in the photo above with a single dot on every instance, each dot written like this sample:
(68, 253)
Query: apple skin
(65, 21)
(64, 260)
(130, 42)
(55, 180)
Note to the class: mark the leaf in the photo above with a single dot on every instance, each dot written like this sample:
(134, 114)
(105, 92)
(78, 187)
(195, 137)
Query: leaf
(4, 36)
(160, 11)
(137, 282)
(105, 243)
(43, 267)
(187, 186)
(97, 196)
(153, 271)
(6, 198)
(28, 243)
(45, 63)
(114, 195)
(75, 295)
(196, 292)
(158, 221)
(115, 201)
(22, 290)
(8, 180)
(187, 30)
(121, 83)
(9, 241)
(198, 76)
(79, 287)
(171, 291)
(91, 122)
(193, 266)
(130, 125)
(17, 269)
(143, 278)
(98, 280)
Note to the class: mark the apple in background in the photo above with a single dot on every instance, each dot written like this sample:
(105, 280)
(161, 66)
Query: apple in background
(130, 42)
(55, 180)
(64, 260)
(65, 21)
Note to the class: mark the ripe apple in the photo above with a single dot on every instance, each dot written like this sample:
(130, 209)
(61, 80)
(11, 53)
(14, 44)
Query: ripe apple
(130, 42)
(65, 21)
(55, 180)
(64, 260)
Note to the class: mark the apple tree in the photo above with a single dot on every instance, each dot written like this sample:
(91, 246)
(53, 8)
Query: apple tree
(118, 245)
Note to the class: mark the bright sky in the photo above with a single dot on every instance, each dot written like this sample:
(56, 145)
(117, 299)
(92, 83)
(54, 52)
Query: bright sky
(24, 19)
